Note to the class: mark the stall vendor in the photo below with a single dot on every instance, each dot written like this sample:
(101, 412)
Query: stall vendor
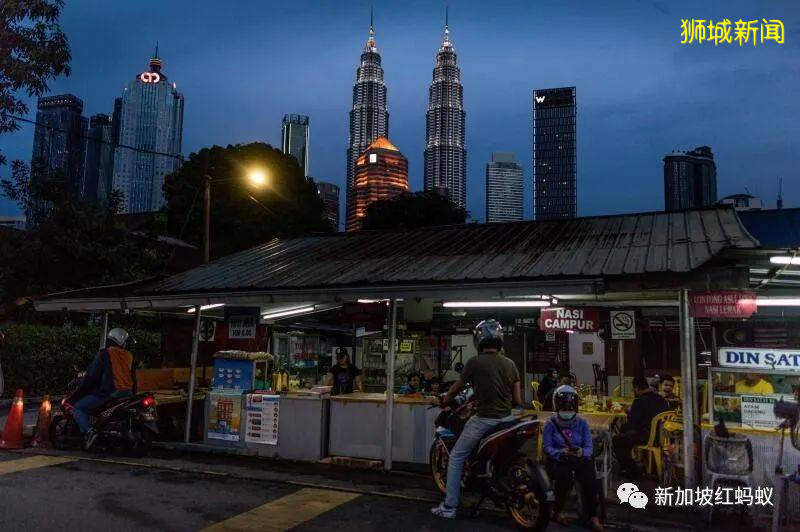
(413, 385)
(753, 384)
(343, 377)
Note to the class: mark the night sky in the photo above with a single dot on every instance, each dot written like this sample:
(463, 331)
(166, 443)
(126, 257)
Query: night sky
(641, 94)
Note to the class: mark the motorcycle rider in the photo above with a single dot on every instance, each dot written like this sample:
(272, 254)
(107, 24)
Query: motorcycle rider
(495, 381)
(109, 376)
(567, 443)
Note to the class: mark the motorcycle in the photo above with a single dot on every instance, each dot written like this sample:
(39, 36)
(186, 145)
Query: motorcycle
(498, 468)
(125, 424)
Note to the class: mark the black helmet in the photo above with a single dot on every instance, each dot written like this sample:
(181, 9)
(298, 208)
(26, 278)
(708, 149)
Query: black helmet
(488, 334)
(565, 399)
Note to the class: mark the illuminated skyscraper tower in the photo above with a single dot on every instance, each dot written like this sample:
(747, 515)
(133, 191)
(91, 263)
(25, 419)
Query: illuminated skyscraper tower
(369, 118)
(445, 155)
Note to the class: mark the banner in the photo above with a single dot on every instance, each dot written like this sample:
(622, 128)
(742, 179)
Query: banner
(569, 319)
(722, 305)
(262, 419)
(757, 411)
(224, 416)
(759, 358)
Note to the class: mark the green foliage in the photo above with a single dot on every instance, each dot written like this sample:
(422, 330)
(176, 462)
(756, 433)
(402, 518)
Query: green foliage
(33, 50)
(42, 359)
(75, 244)
(411, 211)
(242, 216)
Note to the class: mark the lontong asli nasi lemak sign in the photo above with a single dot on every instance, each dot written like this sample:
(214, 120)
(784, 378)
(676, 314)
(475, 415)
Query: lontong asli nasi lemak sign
(760, 358)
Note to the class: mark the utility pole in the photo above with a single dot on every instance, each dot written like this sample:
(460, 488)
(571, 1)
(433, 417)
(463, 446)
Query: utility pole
(206, 211)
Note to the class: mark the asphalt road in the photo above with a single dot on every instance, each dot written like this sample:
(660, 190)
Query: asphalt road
(43, 493)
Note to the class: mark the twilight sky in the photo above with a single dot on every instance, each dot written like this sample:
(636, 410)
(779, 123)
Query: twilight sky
(242, 65)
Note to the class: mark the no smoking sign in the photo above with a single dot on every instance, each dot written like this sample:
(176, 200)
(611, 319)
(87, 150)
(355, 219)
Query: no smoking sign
(623, 324)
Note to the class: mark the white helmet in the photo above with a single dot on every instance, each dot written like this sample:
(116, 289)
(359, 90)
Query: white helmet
(118, 336)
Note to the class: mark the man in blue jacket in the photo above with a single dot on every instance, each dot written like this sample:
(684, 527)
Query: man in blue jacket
(567, 442)
(110, 375)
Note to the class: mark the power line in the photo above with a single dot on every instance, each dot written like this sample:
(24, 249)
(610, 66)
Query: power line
(87, 137)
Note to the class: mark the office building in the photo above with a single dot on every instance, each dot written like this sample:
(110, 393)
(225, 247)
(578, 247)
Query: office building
(294, 139)
(329, 194)
(151, 126)
(369, 118)
(690, 179)
(381, 173)
(99, 163)
(59, 141)
(555, 195)
(445, 159)
(503, 189)
(13, 222)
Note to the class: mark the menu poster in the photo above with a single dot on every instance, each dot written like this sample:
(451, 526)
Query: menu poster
(757, 411)
(224, 417)
(262, 419)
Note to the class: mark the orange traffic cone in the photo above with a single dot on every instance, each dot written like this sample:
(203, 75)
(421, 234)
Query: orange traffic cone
(12, 432)
(42, 436)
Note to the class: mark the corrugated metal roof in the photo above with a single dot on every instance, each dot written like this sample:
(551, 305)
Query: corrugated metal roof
(583, 247)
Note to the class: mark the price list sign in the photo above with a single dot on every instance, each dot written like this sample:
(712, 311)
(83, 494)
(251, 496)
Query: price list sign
(262, 419)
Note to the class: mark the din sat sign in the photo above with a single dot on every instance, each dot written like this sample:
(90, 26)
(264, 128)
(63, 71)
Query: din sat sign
(759, 358)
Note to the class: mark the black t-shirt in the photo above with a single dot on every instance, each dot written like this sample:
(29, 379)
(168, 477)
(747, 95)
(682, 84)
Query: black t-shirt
(344, 378)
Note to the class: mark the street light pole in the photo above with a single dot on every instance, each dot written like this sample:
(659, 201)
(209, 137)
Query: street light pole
(206, 212)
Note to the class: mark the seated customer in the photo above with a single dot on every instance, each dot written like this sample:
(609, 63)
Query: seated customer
(413, 385)
(434, 385)
(667, 391)
(567, 443)
(753, 384)
(647, 405)
(548, 383)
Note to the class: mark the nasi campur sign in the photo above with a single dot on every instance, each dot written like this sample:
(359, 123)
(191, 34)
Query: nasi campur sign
(570, 319)
(759, 358)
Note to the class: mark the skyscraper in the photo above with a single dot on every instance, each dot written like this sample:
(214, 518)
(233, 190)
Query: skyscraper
(690, 179)
(554, 154)
(151, 122)
(329, 194)
(445, 155)
(503, 188)
(294, 135)
(99, 165)
(381, 173)
(369, 118)
(59, 140)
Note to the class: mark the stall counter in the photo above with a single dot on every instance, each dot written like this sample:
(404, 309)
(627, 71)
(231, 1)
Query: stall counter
(358, 427)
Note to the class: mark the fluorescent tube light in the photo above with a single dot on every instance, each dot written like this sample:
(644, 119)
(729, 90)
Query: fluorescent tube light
(494, 304)
(778, 301)
(206, 307)
(290, 312)
(785, 259)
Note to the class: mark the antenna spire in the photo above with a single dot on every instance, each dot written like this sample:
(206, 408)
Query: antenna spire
(780, 193)
(447, 16)
(371, 40)
(156, 54)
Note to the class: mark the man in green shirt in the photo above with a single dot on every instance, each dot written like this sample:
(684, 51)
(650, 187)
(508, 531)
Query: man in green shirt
(495, 381)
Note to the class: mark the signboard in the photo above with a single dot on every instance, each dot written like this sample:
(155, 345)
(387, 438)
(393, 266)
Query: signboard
(623, 324)
(759, 358)
(728, 304)
(569, 319)
(406, 346)
(232, 374)
(587, 348)
(262, 419)
(150, 77)
(757, 411)
(241, 327)
(224, 416)
(364, 314)
(208, 329)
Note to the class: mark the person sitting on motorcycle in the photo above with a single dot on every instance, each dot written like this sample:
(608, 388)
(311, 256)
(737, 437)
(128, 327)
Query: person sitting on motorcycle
(567, 443)
(109, 376)
(495, 381)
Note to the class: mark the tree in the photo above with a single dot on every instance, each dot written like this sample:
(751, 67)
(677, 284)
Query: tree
(74, 244)
(242, 215)
(413, 210)
(33, 50)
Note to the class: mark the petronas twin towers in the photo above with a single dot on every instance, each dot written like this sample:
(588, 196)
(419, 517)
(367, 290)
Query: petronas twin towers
(445, 154)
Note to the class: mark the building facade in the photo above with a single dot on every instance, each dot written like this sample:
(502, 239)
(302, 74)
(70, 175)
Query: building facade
(504, 202)
(329, 194)
(99, 164)
(13, 222)
(555, 194)
(369, 118)
(294, 139)
(150, 137)
(381, 173)
(59, 141)
(690, 179)
(445, 159)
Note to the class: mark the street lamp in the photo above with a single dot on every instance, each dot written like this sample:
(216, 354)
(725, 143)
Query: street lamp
(257, 177)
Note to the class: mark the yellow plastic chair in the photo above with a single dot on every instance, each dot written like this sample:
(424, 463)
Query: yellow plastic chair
(535, 386)
(536, 405)
(616, 392)
(651, 452)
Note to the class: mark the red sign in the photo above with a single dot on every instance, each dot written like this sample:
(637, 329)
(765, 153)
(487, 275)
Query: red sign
(570, 319)
(728, 304)
(364, 313)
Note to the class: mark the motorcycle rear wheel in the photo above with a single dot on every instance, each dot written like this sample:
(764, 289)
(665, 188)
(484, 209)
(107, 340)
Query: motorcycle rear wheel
(534, 512)
(438, 462)
(141, 442)
(59, 432)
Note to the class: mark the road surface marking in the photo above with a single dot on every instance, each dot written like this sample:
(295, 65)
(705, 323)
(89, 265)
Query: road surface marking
(34, 462)
(286, 512)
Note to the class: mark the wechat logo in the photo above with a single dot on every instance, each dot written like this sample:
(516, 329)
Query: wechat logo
(629, 492)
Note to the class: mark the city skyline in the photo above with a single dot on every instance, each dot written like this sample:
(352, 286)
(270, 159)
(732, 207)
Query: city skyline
(629, 109)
